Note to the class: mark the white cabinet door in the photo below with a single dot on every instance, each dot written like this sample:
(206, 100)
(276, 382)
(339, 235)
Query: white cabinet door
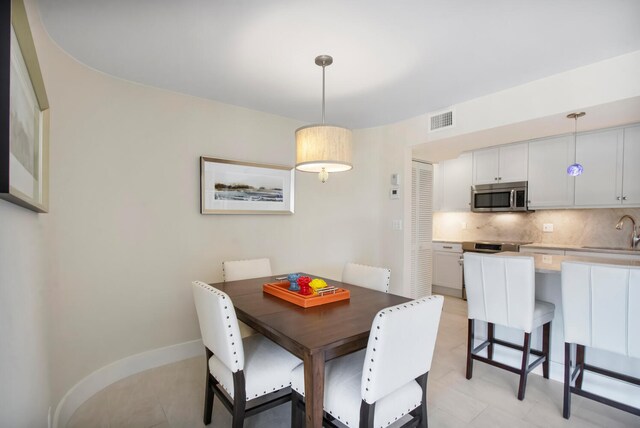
(456, 183)
(513, 163)
(485, 166)
(447, 271)
(600, 184)
(549, 184)
(631, 167)
(502, 164)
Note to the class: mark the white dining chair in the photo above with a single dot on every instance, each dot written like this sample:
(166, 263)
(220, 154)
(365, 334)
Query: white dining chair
(247, 368)
(388, 380)
(501, 290)
(376, 278)
(236, 270)
(601, 310)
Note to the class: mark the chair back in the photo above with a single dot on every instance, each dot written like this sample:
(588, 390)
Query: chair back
(601, 306)
(246, 269)
(400, 347)
(219, 325)
(500, 289)
(376, 278)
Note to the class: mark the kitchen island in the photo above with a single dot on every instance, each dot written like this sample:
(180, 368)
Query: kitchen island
(548, 288)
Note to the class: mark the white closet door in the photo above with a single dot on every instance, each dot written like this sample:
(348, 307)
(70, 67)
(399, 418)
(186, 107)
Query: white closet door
(421, 228)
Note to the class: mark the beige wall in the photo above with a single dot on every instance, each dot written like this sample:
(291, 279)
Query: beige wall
(24, 345)
(125, 223)
(574, 227)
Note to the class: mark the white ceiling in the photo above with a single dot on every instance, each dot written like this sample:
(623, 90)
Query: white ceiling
(392, 59)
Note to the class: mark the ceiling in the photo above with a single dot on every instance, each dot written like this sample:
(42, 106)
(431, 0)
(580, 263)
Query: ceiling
(392, 60)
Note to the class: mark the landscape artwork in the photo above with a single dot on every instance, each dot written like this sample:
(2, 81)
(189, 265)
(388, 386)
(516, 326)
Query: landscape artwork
(233, 187)
(24, 152)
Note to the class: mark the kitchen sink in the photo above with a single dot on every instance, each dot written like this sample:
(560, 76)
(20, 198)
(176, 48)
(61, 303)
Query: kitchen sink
(612, 248)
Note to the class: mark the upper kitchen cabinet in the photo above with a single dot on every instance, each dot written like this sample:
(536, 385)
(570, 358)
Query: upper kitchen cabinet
(549, 184)
(452, 184)
(609, 159)
(631, 167)
(500, 164)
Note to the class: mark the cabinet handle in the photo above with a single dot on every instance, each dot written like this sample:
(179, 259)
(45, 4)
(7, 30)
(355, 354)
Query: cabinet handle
(495, 178)
(499, 178)
(624, 198)
(447, 246)
(617, 198)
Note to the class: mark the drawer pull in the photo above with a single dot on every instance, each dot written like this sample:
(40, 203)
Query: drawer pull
(448, 247)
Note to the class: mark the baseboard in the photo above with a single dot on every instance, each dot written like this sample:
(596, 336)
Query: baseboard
(454, 292)
(120, 369)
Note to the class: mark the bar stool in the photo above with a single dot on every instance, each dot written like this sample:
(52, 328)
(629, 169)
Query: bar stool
(501, 290)
(601, 308)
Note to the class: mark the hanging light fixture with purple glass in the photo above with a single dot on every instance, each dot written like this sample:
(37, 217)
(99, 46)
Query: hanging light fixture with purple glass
(575, 169)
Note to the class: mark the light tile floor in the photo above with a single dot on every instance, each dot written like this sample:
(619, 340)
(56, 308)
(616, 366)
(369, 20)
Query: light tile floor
(172, 395)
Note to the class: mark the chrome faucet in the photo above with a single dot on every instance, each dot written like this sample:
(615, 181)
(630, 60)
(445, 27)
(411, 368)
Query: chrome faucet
(634, 230)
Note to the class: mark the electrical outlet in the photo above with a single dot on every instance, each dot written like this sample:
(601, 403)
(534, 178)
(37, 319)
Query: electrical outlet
(547, 227)
(396, 224)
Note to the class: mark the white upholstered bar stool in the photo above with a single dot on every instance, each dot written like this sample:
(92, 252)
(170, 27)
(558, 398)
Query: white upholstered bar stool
(501, 290)
(246, 368)
(601, 309)
(236, 270)
(376, 278)
(388, 380)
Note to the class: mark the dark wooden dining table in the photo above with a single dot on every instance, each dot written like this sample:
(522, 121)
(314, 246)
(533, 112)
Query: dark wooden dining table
(316, 334)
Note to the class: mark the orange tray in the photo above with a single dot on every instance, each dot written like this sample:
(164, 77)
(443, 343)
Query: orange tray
(281, 290)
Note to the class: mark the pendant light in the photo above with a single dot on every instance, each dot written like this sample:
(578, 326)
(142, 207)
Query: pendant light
(323, 148)
(575, 169)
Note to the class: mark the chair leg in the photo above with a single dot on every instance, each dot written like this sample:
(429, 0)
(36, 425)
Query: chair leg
(546, 334)
(424, 420)
(296, 412)
(525, 365)
(490, 329)
(208, 400)
(208, 392)
(239, 400)
(566, 405)
(470, 338)
(367, 412)
(580, 363)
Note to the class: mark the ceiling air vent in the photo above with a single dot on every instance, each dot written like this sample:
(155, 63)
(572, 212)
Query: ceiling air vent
(441, 120)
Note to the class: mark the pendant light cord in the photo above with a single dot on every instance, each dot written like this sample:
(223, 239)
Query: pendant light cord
(323, 66)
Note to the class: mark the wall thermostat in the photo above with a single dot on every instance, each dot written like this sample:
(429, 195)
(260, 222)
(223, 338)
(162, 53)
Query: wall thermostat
(394, 193)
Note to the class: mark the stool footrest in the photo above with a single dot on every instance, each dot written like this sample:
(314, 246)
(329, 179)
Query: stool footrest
(575, 377)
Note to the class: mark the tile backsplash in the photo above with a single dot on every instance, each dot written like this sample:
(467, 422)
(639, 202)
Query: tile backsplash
(575, 227)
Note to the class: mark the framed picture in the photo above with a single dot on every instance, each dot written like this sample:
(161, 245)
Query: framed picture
(232, 187)
(24, 114)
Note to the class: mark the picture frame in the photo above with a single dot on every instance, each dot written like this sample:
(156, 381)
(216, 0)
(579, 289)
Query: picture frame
(24, 114)
(235, 187)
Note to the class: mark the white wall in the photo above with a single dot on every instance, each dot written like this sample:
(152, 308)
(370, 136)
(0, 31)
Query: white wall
(24, 356)
(125, 223)
(609, 91)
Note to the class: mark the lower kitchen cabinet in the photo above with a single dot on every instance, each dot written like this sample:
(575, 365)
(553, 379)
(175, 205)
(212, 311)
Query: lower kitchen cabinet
(447, 269)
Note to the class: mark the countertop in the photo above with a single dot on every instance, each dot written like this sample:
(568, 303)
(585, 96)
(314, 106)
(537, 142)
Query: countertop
(569, 247)
(553, 263)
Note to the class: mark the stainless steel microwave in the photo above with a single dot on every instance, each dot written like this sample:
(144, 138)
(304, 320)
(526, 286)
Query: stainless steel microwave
(499, 197)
